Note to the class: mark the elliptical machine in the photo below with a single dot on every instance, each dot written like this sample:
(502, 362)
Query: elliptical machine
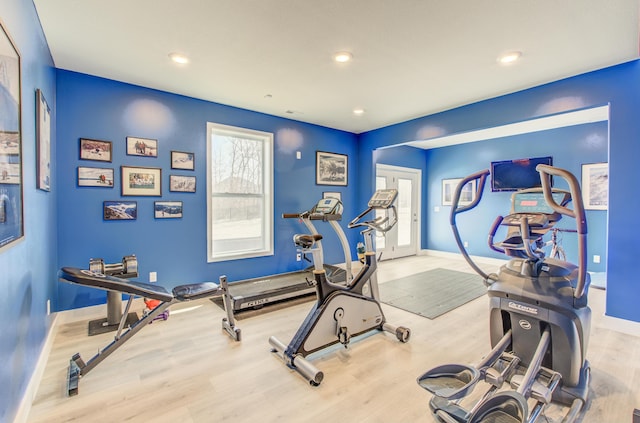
(539, 317)
(341, 312)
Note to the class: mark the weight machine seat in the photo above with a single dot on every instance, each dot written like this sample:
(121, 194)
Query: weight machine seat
(152, 291)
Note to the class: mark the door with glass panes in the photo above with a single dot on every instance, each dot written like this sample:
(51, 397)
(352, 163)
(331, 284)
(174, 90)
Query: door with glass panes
(402, 240)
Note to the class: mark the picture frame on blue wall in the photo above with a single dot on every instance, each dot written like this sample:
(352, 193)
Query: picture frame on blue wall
(95, 177)
(141, 181)
(467, 195)
(595, 186)
(167, 209)
(145, 147)
(332, 194)
(331, 168)
(120, 210)
(43, 140)
(182, 160)
(179, 183)
(11, 193)
(96, 150)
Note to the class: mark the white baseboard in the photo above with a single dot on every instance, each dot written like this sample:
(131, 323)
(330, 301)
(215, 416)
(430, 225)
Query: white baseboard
(36, 377)
(447, 254)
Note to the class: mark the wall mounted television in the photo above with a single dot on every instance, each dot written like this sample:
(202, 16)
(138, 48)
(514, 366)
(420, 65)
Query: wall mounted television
(512, 175)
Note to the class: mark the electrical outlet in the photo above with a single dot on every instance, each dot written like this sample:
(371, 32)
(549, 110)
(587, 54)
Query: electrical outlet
(466, 244)
(298, 257)
(153, 276)
(48, 307)
(436, 209)
(298, 155)
(596, 259)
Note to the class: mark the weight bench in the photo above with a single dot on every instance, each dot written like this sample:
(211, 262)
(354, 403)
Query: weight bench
(77, 366)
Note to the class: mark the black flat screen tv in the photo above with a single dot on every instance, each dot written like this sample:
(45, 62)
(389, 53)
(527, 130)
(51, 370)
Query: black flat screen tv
(512, 175)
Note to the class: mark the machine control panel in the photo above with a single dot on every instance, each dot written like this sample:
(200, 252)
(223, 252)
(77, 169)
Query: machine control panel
(383, 198)
(327, 209)
(534, 202)
(533, 219)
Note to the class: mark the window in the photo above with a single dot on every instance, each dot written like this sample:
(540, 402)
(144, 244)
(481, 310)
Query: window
(239, 193)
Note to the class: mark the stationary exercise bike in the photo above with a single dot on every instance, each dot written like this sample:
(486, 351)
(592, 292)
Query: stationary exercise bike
(539, 318)
(342, 312)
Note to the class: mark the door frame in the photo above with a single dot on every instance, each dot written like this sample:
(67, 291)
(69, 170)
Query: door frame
(417, 173)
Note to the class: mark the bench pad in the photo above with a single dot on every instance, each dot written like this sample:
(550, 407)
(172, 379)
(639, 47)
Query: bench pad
(196, 290)
(112, 283)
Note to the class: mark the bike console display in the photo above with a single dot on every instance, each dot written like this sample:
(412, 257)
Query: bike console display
(383, 198)
(326, 209)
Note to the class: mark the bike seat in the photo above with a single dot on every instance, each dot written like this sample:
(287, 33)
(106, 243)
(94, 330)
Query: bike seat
(306, 241)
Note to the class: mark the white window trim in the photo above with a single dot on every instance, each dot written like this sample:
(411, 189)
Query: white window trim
(268, 177)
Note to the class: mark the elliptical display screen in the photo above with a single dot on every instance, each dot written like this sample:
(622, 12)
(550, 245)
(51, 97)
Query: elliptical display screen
(533, 202)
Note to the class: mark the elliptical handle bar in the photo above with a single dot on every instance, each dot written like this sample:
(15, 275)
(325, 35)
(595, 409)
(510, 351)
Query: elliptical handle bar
(456, 209)
(577, 213)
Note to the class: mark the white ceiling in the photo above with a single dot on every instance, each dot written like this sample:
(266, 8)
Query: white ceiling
(410, 57)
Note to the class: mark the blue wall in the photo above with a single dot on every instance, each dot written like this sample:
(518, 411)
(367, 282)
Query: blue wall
(570, 147)
(91, 107)
(618, 86)
(27, 267)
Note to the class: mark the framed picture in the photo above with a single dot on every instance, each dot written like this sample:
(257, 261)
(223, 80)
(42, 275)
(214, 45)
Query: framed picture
(43, 138)
(332, 194)
(142, 147)
(145, 181)
(595, 186)
(120, 210)
(467, 195)
(9, 173)
(179, 183)
(182, 160)
(11, 193)
(95, 150)
(167, 209)
(331, 168)
(95, 177)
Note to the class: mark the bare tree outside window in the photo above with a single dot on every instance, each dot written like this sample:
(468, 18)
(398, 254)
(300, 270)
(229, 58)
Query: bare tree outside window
(240, 222)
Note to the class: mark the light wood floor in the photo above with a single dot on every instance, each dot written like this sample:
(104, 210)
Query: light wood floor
(187, 370)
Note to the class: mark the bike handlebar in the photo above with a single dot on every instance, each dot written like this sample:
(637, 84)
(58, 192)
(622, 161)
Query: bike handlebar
(377, 223)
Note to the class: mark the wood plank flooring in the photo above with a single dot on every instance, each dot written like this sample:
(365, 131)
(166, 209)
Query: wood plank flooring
(186, 369)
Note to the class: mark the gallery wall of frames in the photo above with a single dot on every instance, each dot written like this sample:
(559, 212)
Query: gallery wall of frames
(135, 181)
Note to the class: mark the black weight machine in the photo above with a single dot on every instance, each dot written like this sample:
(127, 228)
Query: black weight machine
(539, 317)
(79, 368)
(341, 311)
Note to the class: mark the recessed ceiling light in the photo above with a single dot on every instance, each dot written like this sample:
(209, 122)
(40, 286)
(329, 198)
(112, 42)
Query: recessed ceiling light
(179, 58)
(358, 111)
(509, 57)
(342, 56)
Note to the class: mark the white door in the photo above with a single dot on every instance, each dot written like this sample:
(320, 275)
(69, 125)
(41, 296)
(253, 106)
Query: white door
(403, 239)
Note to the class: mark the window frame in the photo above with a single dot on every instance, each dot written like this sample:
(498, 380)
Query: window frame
(268, 193)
